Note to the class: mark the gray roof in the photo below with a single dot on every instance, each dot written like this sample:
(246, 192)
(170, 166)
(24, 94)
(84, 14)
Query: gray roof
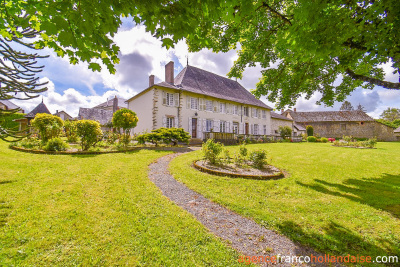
(9, 104)
(109, 103)
(279, 116)
(65, 113)
(299, 127)
(397, 130)
(319, 116)
(41, 108)
(97, 114)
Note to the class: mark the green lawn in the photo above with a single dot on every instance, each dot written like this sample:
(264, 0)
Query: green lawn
(337, 200)
(102, 210)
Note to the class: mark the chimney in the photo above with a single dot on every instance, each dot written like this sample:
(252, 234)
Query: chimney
(294, 109)
(169, 72)
(282, 111)
(151, 80)
(115, 104)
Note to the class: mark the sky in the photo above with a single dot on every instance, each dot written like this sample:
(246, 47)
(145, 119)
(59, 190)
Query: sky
(141, 54)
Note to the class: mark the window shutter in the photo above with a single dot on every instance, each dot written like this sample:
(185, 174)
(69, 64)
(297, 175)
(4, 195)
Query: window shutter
(199, 131)
(259, 113)
(164, 98)
(240, 128)
(188, 102)
(190, 126)
(216, 125)
(176, 100)
(200, 103)
(164, 121)
(216, 106)
(239, 110)
(251, 129)
(204, 125)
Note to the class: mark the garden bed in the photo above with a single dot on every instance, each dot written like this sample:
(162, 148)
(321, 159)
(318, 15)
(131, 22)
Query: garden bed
(267, 173)
(360, 147)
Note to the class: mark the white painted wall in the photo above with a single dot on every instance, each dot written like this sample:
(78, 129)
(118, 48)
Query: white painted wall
(142, 105)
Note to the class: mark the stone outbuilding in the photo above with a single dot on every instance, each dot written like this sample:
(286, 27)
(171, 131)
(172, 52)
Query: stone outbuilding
(277, 121)
(397, 133)
(336, 124)
(25, 122)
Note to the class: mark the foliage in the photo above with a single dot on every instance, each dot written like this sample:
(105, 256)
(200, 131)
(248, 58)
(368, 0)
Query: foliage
(71, 131)
(49, 126)
(394, 124)
(258, 158)
(243, 150)
(211, 150)
(346, 106)
(125, 139)
(110, 137)
(361, 107)
(285, 131)
(348, 141)
(227, 159)
(124, 118)
(324, 140)
(165, 135)
(90, 133)
(310, 130)
(311, 139)
(331, 140)
(30, 142)
(391, 114)
(55, 144)
(7, 121)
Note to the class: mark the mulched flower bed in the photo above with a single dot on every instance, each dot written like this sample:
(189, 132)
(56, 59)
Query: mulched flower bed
(266, 173)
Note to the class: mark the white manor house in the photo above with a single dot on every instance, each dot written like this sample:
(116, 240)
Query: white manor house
(199, 102)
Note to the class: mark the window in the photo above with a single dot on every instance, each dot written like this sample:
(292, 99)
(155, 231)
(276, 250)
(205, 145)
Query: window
(256, 129)
(246, 111)
(235, 109)
(170, 99)
(235, 128)
(170, 122)
(222, 107)
(208, 125)
(222, 126)
(264, 114)
(194, 103)
(254, 113)
(265, 129)
(209, 105)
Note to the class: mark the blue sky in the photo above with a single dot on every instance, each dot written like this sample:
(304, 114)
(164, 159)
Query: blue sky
(74, 86)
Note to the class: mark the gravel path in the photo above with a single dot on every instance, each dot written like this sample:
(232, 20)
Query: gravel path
(244, 235)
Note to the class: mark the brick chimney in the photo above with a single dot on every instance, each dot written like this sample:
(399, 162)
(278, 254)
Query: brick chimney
(169, 72)
(151, 80)
(115, 104)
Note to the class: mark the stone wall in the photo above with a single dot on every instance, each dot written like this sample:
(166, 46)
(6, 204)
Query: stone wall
(275, 123)
(368, 129)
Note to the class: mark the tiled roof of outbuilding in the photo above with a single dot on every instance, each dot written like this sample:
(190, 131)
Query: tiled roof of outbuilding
(279, 116)
(397, 130)
(9, 104)
(41, 108)
(101, 115)
(319, 116)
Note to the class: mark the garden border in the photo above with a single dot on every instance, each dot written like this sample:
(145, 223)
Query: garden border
(357, 147)
(34, 151)
(280, 175)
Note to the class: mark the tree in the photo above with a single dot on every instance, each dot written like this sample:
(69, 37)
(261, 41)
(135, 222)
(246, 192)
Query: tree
(49, 126)
(285, 131)
(390, 114)
(346, 106)
(361, 107)
(90, 133)
(303, 46)
(125, 119)
(310, 130)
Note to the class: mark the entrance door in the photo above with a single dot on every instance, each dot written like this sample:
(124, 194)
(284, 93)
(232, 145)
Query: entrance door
(246, 128)
(194, 127)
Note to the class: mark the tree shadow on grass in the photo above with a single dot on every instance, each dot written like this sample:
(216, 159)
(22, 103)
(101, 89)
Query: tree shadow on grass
(338, 240)
(382, 193)
(4, 212)
(5, 181)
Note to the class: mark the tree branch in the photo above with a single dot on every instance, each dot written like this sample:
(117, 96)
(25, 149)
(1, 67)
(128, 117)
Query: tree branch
(282, 17)
(384, 84)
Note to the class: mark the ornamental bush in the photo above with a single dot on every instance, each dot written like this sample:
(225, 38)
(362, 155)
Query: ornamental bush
(285, 131)
(324, 140)
(90, 133)
(211, 150)
(258, 158)
(311, 139)
(310, 130)
(56, 144)
(70, 131)
(49, 126)
(165, 135)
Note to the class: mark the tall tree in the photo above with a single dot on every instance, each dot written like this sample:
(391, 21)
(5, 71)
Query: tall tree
(346, 106)
(391, 114)
(361, 107)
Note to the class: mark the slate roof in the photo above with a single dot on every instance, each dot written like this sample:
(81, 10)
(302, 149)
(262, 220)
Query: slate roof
(279, 116)
(321, 116)
(397, 130)
(9, 104)
(41, 108)
(97, 114)
(299, 127)
(195, 80)
(109, 103)
(58, 113)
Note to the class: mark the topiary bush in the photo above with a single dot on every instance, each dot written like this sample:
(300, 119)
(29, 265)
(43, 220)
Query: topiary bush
(311, 139)
(258, 158)
(310, 130)
(49, 126)
(90, 133)
(211, 150)
(56, 144)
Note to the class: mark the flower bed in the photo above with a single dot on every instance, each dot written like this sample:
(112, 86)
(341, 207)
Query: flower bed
(351, 142)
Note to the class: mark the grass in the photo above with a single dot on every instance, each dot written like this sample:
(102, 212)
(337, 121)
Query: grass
(336, 200)
(96, 210)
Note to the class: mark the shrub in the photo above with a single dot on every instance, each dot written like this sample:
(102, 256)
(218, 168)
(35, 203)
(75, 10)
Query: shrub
(285, 131)
(165, 135)
(110, 137)
(29, 143)
(311, 139)
(227, 156)
(324, 140)
(49, 126)
(56, 144)
(127, 120)
(331, 140)
(70, 131)
(310, 130)
(211, 150)
(258, 158)
(243, 150)
(90, 133)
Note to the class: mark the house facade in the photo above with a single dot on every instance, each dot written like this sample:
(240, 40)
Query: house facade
(278, 120)
(199, 102)
(63, 115)
(336, 124)
(8, 105)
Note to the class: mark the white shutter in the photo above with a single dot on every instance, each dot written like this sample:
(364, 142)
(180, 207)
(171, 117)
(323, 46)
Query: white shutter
(230, 127)
(164, 98)
(200, 103)
(251, 128)
(240, 128)
(199, 131)
(176, 100)
(190, 126)
(216, 106)
(216, 126)
(164, 121)
(188, 102)
(204, 125)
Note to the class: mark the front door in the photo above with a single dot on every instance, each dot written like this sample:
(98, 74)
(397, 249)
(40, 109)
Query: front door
(194, 127)
(246, 128)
